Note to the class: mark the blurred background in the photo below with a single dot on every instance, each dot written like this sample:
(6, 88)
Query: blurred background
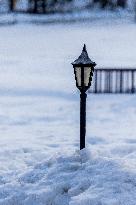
(52, 6)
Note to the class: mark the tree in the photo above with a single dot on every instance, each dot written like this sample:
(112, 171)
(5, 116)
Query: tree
(37, 6)
(11, 5)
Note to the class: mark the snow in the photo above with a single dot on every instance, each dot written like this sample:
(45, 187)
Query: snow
(83, 15)
(40, 161)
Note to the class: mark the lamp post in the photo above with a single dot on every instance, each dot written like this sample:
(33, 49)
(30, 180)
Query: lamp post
(83, 69)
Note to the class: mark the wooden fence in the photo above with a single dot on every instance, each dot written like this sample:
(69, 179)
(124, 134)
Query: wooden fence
(114, 80)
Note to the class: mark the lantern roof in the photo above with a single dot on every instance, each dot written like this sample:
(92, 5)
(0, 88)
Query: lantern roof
(83, 59)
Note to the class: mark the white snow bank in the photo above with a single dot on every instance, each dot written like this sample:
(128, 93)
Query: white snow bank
(76, 179)
(83, 15)
(7, 19)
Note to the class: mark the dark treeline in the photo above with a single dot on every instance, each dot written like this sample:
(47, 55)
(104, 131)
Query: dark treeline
(48, 6)
(111, 3)
(44, 6)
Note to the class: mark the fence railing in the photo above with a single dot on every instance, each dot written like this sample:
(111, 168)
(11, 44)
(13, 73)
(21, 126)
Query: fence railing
(114, 80)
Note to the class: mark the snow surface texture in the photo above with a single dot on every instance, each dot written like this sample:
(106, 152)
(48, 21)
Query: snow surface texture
(75, 179)
(39, 117)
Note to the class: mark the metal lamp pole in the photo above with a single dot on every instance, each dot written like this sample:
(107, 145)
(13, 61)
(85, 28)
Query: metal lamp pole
(83, 69)
(83, 96)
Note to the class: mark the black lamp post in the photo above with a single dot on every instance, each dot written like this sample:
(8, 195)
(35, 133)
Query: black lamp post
(83, 69)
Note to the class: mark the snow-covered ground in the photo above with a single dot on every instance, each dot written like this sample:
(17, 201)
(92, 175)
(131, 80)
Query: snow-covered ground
(40, 161)
(75, 16)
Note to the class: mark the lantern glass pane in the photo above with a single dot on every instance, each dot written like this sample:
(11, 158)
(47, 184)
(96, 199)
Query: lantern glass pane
(78, 75)
(87, 71)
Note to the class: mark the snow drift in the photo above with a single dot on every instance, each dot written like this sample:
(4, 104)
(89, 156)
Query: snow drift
(76, 179)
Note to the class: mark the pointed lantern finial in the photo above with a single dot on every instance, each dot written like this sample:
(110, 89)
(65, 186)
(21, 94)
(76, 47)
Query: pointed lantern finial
(84, 48)
(84, 59)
